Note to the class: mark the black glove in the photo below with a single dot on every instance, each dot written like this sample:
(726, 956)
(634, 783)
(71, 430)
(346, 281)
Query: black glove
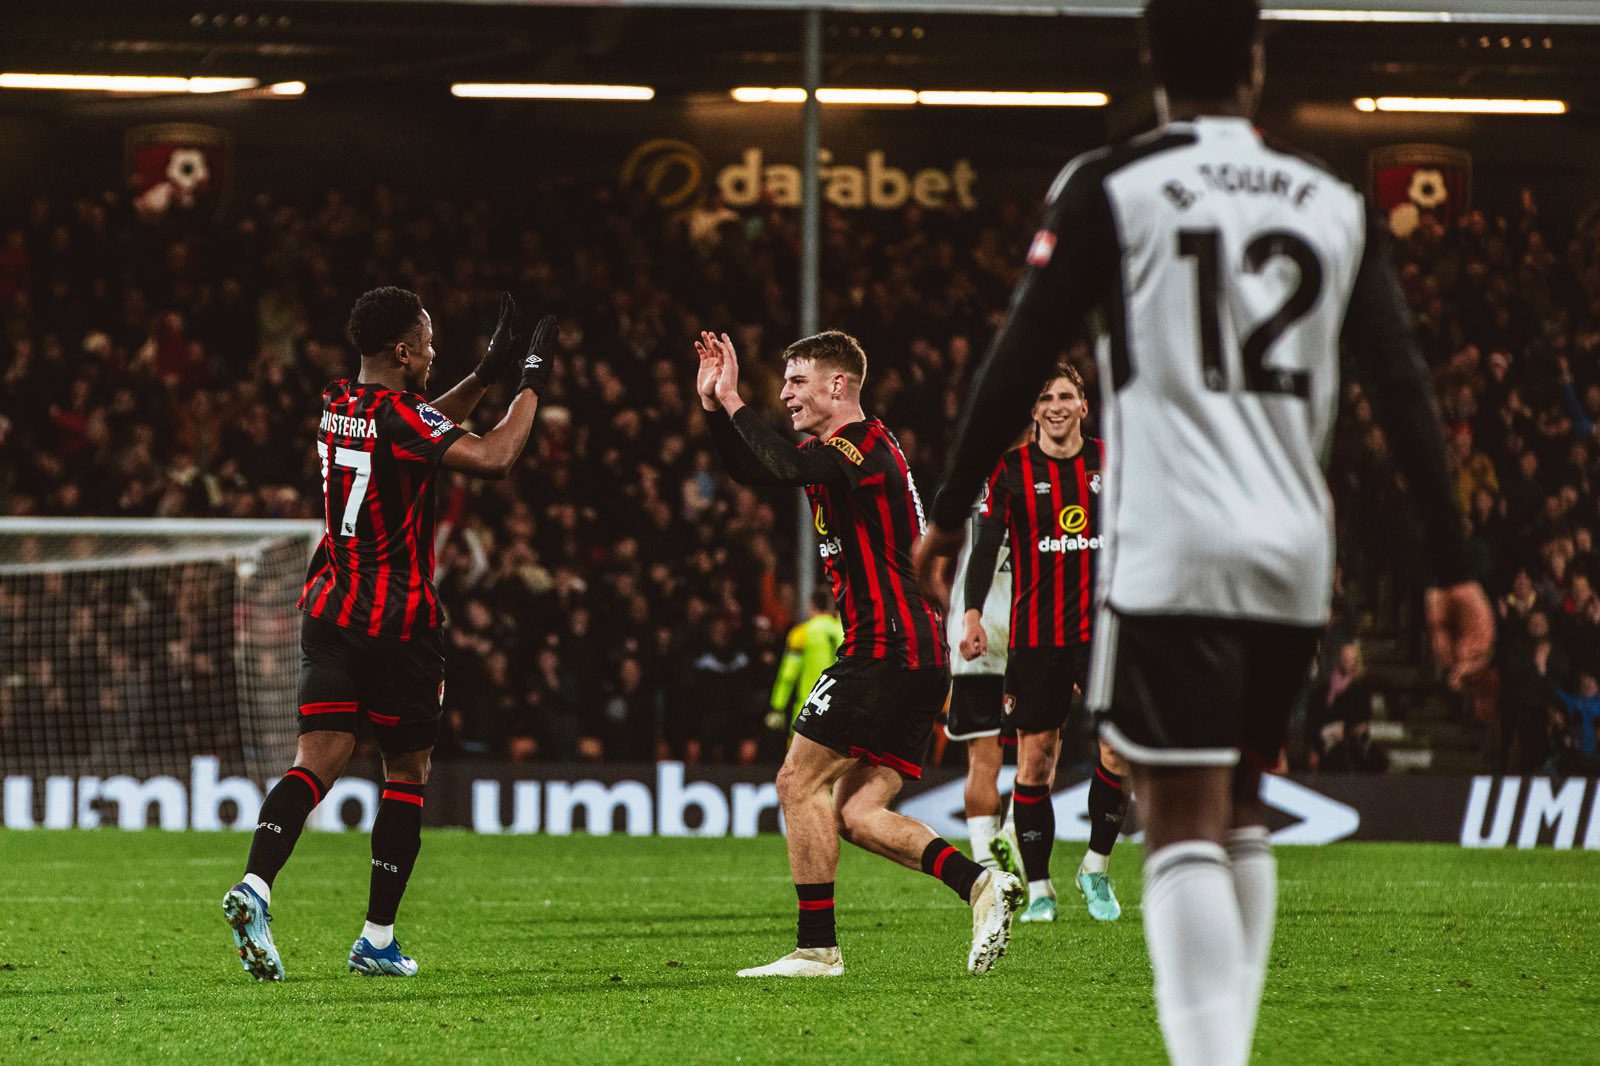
(502, 348)
(541, 357)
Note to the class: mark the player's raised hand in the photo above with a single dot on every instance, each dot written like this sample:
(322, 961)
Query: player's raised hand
(935, 559)
(1461, 626)
(502, 349)
(540, 361)
(727, 374)
(705, 381)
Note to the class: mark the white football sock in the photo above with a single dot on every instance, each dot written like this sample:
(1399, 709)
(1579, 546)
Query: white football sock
(1094, 862)
(379, 936)
(263, 889)
(1042, 887)
(1196, 943)
(1255, 885)
(982, 830)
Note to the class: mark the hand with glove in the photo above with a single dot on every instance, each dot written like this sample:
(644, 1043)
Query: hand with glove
(540, 361)
(502, 346)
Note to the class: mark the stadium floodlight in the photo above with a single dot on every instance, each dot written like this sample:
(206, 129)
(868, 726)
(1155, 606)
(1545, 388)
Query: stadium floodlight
(976, 98)
(125, 83)
(1460, 105)
(549, 91)
(750, 94)
(287, 88)
(1284, 14)
(866, 96)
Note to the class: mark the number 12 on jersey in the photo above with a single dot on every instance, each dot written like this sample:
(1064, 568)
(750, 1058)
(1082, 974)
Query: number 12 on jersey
(348, 459)
(1205, 248)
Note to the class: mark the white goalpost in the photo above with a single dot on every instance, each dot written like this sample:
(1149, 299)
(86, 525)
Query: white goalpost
(131, 646)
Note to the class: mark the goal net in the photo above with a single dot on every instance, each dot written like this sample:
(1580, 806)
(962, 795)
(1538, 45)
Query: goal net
(129, 646)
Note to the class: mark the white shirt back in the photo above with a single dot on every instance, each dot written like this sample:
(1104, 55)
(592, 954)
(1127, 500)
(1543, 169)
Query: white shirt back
(1218, 398)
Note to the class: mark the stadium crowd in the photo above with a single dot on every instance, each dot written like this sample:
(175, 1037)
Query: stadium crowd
(618, 597)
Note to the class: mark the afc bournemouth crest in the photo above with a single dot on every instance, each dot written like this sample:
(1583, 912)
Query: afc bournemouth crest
(1409, 179)
(179, 166)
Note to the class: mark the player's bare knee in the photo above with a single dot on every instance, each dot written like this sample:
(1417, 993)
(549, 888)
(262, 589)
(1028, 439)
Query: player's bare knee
(1113, 762)
(325, 752)
(794, 786)
(855, 819)
(1036, 758)
(412, 766)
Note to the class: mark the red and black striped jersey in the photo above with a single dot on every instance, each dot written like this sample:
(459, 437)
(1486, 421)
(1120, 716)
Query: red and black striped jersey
(868, 530)
(1051, 509)
(380, 451)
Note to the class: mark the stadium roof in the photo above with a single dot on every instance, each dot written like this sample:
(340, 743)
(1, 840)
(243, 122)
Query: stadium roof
(926, 44)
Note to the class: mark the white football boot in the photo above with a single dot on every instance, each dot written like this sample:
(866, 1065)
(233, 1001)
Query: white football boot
(995, 898)
(802, 962)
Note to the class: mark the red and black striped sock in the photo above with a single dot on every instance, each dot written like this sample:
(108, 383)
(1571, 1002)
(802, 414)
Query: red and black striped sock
(283, 815)
(816, 916)
(944, 860)
(396, 839)
(1108, 807)
(1035, 817)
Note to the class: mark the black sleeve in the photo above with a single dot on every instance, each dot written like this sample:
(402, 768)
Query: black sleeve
(1378, 334)
(757, 454)
(981, 564)
(1069, 266)
(736, 456)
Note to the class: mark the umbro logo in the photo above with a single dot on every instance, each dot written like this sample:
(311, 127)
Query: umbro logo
(1041, 487)
(533, 361)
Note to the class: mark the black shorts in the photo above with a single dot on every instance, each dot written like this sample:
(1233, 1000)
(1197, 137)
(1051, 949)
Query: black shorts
(1189, 691)
(876, 711)
(975, 706)
(1040, 684)
(397, 685)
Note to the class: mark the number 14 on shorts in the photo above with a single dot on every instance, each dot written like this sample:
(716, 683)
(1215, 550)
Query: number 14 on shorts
(819, 697)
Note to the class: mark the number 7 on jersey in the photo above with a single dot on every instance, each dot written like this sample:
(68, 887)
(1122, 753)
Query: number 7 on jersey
(348, 459)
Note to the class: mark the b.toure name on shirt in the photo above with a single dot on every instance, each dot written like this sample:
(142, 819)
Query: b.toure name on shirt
(347, 426)
(1247, 179)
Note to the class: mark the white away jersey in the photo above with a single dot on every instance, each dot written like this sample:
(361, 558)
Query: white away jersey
(1237, 266)
(996, 612)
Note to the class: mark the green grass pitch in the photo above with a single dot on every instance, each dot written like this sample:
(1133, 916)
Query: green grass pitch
(611, 949)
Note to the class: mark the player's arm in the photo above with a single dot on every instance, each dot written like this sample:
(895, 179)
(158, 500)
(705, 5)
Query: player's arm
(1069, 262)
(989, 534)
(754, 452)
(491, 456)
(1378, 333)
(460, 401)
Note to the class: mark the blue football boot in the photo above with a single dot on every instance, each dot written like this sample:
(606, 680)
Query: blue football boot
(380, 962)
(247, 916)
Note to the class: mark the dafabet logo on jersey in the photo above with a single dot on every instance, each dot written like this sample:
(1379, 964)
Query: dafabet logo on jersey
(819, 520)
(1073, 520)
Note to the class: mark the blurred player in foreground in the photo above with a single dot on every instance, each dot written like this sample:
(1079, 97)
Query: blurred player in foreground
(809, 649)
(371, 639)
(869, 718)
(1224, 272)
(1045, 497)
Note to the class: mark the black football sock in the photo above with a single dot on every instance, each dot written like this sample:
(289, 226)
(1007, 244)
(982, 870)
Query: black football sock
(396, 839)
(944, 860)
(1108, 806)
(283, 815)
(816, 916)
(1035, 818)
